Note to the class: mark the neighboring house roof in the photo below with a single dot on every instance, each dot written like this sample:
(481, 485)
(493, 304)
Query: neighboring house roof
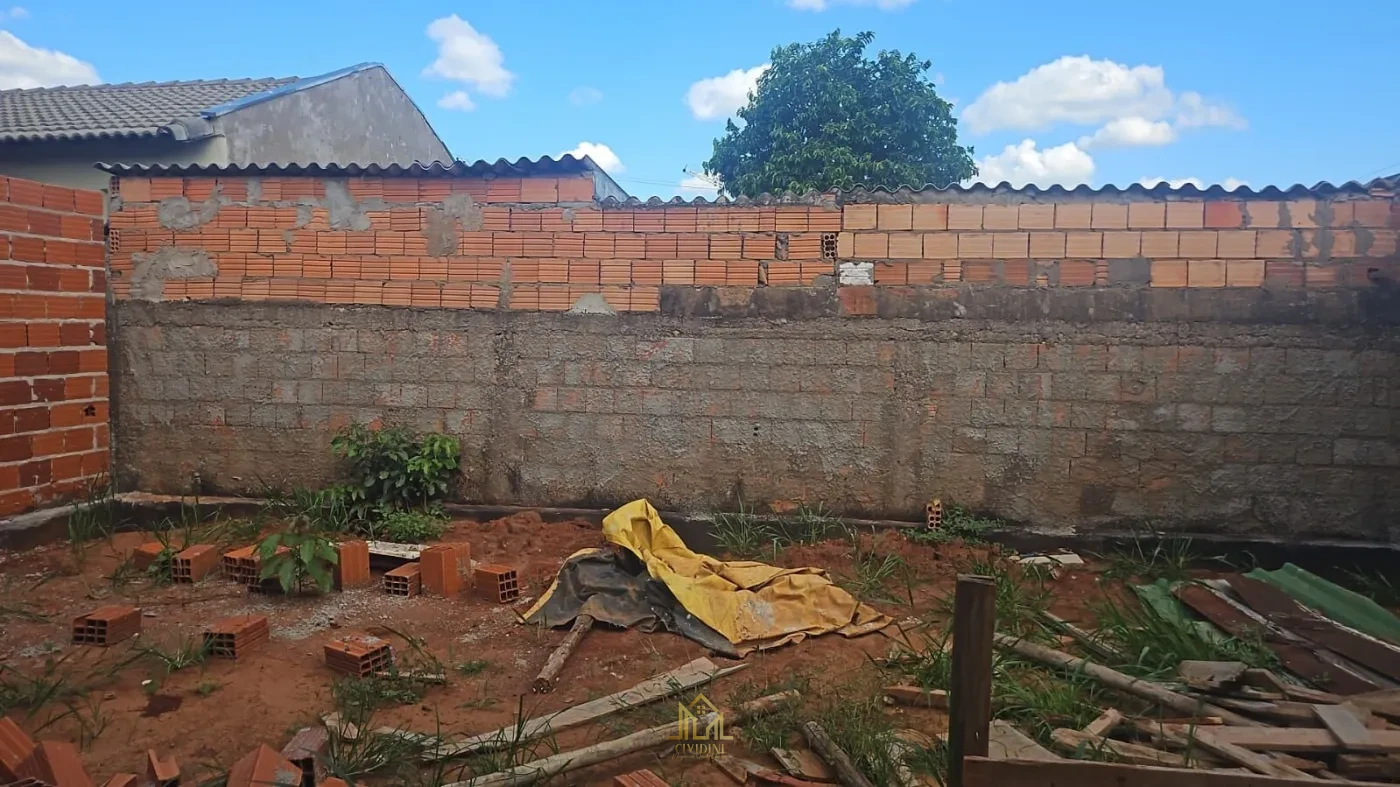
(139, 109)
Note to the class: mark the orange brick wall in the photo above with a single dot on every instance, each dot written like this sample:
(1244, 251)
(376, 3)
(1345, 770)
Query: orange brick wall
(540, 244)
(53, 355)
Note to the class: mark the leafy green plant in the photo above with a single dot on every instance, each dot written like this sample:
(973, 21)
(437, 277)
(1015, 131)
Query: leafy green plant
(295, 557)
(395, 468)
(741, 533)
(310, 510)
(959, 524)
(406, 527)
(1155, 645)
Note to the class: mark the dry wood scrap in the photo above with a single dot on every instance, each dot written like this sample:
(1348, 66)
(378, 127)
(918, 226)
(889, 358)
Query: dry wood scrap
(916, 697)
(1255, 761)
(542, 770)
(1105, 723)
(1347, 723)
(1369, 767)
(422, 677)
(803, 764)
(1298, 740)
(835, 756)
(982, 772)
(553, 665)
(1293, 714)
(696, 673)
(1382, 703)
(1085, 639)
(1005, 742)
(1117, 680)
(743, 771)
(1268, 681)
(1074, 743)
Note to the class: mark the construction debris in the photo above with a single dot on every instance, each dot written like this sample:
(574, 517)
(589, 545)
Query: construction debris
(544, 683)
(915, 697)
(840, 761)
(1211, 675)
(803, 764)
(264, 767)
(642, 778)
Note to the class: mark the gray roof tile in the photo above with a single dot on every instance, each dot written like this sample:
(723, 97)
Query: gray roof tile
(120, 110)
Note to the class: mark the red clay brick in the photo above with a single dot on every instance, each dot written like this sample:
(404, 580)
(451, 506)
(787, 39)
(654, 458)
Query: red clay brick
(307, 750)
(642, 778)
(495, 582)
(15, 748)
(406, 580)
(441, 567)
(57, 763)
(261, 767)
(231, 637)
(106, 625)
(123, 780)
(352, 565)
(1224, 215)
(359, 655)
(194, 563)
(162, 771)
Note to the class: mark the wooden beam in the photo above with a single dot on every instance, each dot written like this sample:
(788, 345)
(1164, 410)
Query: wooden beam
(1075, 743)
(834, 755)
(1008, 743)
(1259, 763)
(981, 772)
(1105, 723)
(970, 701)
(1117, 680)
(1346, 724)
(553, 665)
(1290, 739)
(915, 697)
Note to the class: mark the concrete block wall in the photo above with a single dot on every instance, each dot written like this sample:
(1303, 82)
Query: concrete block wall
(53, 355)
(1086, 361)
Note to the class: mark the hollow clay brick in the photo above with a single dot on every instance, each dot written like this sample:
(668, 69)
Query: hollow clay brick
(406, 580)
(232, 637)
(145, 555)
(15, 748)
(442, 568)
(495, 582)
(352, 565)
(162, 771)
(194, 563)
(263, 767)
(57, 763)
(359, 655)
(106, 625)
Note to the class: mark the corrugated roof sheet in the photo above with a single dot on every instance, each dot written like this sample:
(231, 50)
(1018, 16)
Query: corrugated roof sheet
(568, 164)
(132, 109)
(544, 165)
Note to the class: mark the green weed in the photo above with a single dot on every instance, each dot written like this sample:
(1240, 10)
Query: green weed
(406, 527)
(1148, 559)
(472, 668)
(860, 727)
(185, 653)
(780, 727)
(741, 533)
(1375, 586)
(207, 687)
(959, 524)
(1021, 594)
(92, 518)
(871, 570)
(1156, 645)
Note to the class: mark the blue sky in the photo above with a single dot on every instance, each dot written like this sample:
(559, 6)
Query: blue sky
(1072, 91)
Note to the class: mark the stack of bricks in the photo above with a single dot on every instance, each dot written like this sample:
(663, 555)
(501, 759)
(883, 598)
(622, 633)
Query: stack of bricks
(53, 355)
(230, 638)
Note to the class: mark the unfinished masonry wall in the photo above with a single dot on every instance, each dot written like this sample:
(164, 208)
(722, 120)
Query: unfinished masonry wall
(1067, 360)
(53, 355)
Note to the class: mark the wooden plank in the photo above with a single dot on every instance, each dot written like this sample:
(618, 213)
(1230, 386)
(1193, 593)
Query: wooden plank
(404, 552)
(1293, 714)
(1211, 675)
(1372, 767)
(837, 757)
(1117, 680)
(970, 702)
(1382, 703)
(1075, 743)
(1283, 610)
(804, 765)
(684, 678)
(1264, 679)
(1005, 742)
(1241, 622)
(1346, 724)
(1292, 739)
(1105, 723)
(982, 772)
(1257, 762)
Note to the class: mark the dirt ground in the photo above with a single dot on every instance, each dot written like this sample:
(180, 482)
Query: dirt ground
(211, 714)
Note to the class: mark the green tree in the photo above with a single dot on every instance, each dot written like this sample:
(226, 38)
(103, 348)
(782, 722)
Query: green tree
(825, 116)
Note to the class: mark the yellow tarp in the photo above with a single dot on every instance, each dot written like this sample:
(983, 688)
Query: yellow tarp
(754, 605)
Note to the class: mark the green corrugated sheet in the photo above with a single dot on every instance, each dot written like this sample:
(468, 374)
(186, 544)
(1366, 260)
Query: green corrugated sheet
(1158, 598)
(1334, 601)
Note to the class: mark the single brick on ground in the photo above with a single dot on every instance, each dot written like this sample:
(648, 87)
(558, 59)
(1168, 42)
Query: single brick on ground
(359, 655)
(495, 582)
(307, 751)
(56, 763)
(162, 771)
(145, 555)
(230, 638)
(442, 568)
(106, 625)
(15, 748)
(194, 563)
(263, 767)
(406, 580)
(352, 565)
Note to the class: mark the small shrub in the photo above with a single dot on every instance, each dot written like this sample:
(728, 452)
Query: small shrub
(959, 524)
(407, 527)
(307, 556)
(395, 468)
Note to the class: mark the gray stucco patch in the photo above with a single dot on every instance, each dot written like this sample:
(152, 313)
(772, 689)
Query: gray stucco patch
(178, 213)
(151, 270)
(346, 213)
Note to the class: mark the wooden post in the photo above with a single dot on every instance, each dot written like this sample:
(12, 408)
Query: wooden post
(970, 701)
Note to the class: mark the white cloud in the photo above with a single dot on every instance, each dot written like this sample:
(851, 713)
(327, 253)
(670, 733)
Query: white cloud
(822, 5)
(1230, 184)
(719, 97)
(1130, 132)
(15, 12)
(22, 65)
(601, 154)
(468, 56)
(582, 96)
(1024, 163)
(1193, 111)
(1083, 91)
(457, 99)
(696, 186)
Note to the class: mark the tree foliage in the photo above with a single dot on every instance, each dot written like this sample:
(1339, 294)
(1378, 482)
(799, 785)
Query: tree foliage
(825, 116)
